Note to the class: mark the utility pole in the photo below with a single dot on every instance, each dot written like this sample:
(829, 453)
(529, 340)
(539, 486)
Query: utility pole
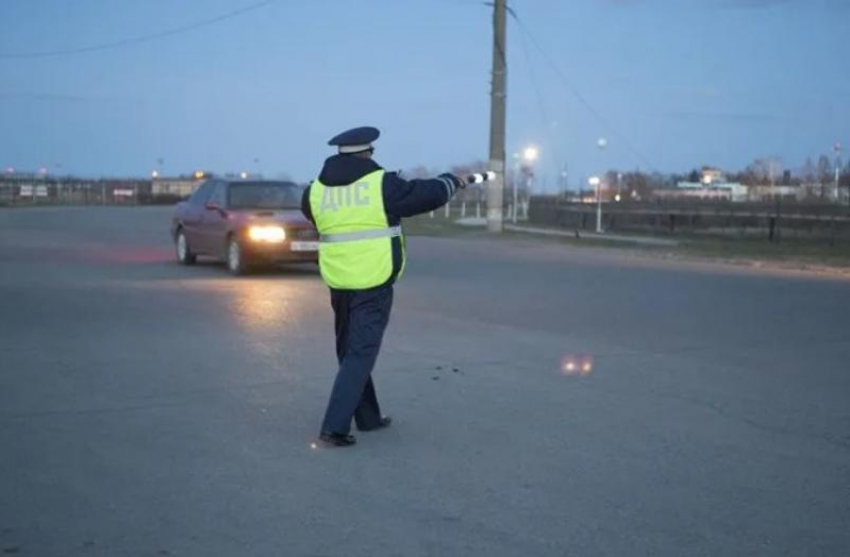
(495, 188)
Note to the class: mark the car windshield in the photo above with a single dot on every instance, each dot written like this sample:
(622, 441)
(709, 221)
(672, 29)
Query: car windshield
(265, 195)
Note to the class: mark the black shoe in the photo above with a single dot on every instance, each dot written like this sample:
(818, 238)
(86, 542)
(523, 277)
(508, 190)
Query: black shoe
(337, 439)
(385, 422)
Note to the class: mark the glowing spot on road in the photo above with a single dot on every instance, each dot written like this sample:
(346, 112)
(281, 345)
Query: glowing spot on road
(314, 446)
(576, 364)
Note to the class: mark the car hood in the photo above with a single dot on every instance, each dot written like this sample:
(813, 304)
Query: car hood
(282, 216)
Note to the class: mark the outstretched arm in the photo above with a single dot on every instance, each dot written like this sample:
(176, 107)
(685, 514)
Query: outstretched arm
(407, 198)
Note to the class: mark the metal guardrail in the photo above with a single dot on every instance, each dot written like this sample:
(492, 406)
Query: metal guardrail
(830, 222)
(696, 212)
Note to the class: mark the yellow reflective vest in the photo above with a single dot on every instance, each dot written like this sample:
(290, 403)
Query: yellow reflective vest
(355, 250)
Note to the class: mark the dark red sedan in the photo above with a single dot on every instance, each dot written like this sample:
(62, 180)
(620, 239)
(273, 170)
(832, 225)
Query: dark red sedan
(245, 223)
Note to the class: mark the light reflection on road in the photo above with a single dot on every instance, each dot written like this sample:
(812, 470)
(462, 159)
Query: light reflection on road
(274, 313)
(257, 304)
(265, 305)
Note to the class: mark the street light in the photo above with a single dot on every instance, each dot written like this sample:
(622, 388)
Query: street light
(837, 149)
(595, 182)
(602, 143)
(243, 175)
(155, 174)
(564, 183)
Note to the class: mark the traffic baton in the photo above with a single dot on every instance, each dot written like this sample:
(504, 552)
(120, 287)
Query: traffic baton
(480, 177)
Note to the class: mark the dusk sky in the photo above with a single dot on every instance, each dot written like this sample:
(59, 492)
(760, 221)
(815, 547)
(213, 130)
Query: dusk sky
(671, 84)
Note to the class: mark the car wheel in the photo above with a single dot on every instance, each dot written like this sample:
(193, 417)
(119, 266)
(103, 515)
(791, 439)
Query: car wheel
(184, 252)
(237, 262)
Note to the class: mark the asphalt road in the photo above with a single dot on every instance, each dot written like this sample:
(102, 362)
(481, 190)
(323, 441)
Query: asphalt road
(148, 409)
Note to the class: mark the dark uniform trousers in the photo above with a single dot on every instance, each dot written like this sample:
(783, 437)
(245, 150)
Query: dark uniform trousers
(360, 316)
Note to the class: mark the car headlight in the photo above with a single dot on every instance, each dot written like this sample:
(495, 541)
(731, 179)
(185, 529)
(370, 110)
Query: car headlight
(266, 233)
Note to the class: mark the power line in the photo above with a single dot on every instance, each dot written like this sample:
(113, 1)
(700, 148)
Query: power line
(577, 94)
(137, 40)
(541, 105)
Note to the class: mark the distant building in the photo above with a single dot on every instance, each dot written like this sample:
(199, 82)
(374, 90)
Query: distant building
(710, 176)
(771, 192)
(697, 191)
(731, 191)
(181, 186)
(712, 185)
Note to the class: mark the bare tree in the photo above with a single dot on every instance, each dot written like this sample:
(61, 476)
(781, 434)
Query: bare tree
(694, 176)
(765, 171)
(809, 172)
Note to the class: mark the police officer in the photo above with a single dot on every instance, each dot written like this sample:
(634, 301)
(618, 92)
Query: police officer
(357, 208)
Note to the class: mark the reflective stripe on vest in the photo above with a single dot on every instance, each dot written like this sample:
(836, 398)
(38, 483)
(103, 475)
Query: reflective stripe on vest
(392, 232)
(355, 252)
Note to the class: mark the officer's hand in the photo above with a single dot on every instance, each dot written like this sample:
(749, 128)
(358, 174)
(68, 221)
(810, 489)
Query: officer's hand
(459, 183)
